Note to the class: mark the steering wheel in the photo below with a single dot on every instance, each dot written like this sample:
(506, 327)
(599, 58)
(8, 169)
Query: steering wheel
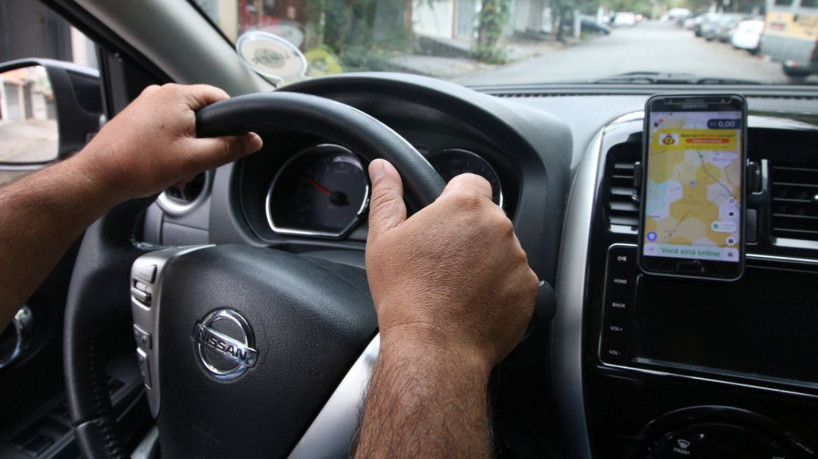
(241, 347)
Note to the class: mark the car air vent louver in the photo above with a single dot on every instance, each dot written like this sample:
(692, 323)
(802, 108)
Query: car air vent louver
(189, 192)
(623, 209)
(794, 191)
(181, 200)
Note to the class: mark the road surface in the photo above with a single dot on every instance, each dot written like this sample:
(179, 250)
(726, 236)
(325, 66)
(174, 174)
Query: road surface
(650, 46)
(26, 142)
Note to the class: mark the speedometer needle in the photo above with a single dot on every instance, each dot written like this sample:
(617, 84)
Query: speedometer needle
(319, 187)
(338, 198)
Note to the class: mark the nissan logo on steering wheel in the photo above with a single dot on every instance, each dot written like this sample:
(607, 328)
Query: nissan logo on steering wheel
(224, 344)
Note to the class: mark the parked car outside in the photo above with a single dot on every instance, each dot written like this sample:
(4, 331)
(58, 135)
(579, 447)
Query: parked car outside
(690, 21)
(676, 14)
(726, 27)
(624, 19)
(591, 24)
(704, 23)
(748, 35)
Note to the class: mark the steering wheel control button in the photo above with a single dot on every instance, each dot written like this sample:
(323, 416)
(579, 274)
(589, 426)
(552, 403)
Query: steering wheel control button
(142, 287)
(140, 296)
(147, 274)
(143, 338)
(144, 367)
(225, 344)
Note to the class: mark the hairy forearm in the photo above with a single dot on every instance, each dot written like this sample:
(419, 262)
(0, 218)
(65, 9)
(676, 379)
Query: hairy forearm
(425, 402)
(43, 214)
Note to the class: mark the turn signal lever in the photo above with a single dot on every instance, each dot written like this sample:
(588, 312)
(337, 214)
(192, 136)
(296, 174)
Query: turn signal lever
(545, 306)
(15, 339)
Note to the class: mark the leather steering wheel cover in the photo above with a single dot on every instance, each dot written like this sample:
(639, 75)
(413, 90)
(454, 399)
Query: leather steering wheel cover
(98, 314)
(350, 127)
(98, 305)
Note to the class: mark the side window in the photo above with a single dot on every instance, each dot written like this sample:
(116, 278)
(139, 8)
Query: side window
(28, 113)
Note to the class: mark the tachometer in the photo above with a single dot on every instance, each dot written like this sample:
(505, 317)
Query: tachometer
(322, 191)
(452, 162)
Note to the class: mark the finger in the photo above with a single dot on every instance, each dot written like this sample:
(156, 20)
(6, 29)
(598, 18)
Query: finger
(181, 183)
(386, 208)
(467, 183)
(215, 151)
(150, 89)
(201, 95)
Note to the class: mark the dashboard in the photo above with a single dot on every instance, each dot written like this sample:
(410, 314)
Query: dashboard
(631, 365)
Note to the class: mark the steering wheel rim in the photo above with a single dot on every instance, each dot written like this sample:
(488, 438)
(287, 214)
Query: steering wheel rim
(96, 302)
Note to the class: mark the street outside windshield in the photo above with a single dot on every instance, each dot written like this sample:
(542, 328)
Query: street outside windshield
(499, 42)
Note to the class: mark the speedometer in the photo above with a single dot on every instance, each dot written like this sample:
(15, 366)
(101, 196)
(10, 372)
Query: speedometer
(322, 191)
(453, 162)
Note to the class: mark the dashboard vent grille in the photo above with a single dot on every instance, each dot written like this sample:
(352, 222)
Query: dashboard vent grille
(794, 191)
(188, 192)
(623, 209)
(181, 200)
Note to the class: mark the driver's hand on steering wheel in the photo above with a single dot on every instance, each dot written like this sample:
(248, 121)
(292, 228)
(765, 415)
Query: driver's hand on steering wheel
(152, 143)
(452, 276)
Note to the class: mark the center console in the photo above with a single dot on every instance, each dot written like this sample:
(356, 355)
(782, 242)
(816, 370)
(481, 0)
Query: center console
(678, 368)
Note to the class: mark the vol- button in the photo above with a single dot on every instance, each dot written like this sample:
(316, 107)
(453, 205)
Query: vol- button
(612, 349)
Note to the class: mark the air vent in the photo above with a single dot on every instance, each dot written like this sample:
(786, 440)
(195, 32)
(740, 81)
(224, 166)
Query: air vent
(180, 200)
(188, 192)
(794, 190)
(623, 209)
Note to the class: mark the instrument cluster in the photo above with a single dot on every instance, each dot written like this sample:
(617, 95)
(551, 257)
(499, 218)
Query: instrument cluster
(323, 190)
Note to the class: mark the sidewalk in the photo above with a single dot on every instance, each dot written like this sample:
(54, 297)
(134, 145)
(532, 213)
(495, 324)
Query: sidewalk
(451, 67)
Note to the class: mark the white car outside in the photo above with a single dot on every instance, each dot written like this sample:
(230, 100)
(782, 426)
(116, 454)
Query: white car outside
(624, 20)
(748, 34)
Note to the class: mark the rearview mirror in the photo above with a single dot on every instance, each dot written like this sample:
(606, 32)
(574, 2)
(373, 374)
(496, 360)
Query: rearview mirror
(48, 111)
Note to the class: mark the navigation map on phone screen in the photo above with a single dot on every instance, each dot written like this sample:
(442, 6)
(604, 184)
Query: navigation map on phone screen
(693, 191)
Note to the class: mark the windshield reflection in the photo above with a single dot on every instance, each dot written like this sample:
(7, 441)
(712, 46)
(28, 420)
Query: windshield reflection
(496, 42)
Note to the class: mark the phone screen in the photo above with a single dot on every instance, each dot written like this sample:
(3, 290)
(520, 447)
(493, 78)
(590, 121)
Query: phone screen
(693, 191)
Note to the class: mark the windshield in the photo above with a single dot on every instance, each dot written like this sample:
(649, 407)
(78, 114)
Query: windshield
(498, 42)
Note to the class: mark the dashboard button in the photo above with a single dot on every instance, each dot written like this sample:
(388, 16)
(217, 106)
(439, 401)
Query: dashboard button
(614, 329)
(717, 440)
(612, 349)
(620, 281)
(617, 304)
(622, 262)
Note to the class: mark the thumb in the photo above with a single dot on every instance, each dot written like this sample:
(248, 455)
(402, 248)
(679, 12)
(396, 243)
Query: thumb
(386, 208)
(215, 151)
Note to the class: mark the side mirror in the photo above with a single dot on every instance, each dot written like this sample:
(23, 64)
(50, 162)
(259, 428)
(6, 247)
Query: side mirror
(48, 111)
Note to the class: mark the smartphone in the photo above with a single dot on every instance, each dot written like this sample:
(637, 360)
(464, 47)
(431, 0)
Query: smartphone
(693, 179)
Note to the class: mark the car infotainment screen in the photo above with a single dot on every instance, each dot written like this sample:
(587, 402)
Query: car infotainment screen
(741, 329)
